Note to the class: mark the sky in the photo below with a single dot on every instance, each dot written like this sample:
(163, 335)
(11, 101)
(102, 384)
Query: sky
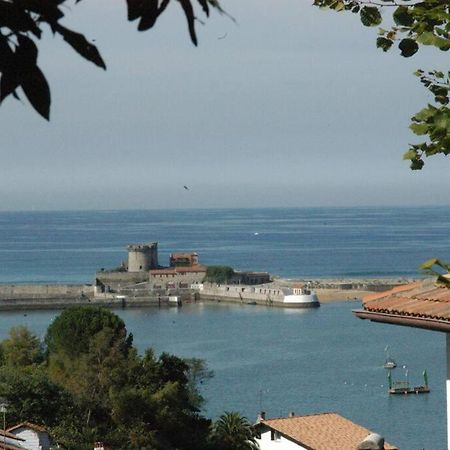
(288, 105)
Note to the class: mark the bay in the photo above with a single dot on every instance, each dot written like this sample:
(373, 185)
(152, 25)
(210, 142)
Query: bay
(305, 361)
(276, 360)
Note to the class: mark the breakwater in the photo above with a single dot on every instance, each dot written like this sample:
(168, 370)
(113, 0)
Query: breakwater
(59, 296)
(261, 294)
(50, 296)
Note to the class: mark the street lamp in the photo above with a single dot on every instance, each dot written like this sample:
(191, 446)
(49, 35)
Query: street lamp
(3, 409)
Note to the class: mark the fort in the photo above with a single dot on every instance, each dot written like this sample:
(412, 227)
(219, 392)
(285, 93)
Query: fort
(142, 281)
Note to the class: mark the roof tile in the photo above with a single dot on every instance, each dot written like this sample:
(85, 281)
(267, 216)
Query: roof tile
(326, 431)
(423, 299)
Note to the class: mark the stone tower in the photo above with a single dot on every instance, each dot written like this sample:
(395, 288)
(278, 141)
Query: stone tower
(142, 257)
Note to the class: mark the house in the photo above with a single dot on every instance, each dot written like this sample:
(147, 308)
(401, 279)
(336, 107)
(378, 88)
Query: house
(423, 304)
(33, 437)
(9, 441)
(325, 431)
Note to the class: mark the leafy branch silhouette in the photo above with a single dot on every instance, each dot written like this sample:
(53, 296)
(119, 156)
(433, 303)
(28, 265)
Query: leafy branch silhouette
(21, 28)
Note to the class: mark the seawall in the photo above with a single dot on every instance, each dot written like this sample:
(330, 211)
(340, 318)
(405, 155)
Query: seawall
(59, 296)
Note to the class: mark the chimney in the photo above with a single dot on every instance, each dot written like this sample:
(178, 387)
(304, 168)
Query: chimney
(261, 416)
(292, 414)
(372, 442)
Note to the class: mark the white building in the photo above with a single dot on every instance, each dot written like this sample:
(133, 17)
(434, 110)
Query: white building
(9, 441)
(32, 436)
(326, 431)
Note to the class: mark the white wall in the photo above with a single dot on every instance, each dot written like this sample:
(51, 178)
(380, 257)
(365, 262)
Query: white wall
(33, 440)
(265, 443)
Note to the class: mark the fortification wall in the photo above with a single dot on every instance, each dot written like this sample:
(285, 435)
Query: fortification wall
(113, 278)
(185, 278)
(258, 294)
(45, 290)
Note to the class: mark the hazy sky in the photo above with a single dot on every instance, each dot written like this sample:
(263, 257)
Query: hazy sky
(293, 107)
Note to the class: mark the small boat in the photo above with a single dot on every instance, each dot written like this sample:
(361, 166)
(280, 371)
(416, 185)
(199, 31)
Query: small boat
(403, 387)
(389, 363)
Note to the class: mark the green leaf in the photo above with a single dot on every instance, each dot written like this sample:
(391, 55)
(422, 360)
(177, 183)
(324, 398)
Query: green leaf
(370, 16)
(408, 47)
(80, 44)
(427, 265)
(149, 15)
(26, 54)
(36, 89)
(384, 44)
(205, 7)
(442, 99)
(443, 280)
(410, 154)
(135, 9)
(426, 38)
(424, 114)
(189, 13)
(419, 128)
(416, 164)
(403, 17)
(442, 43)
(8, 83)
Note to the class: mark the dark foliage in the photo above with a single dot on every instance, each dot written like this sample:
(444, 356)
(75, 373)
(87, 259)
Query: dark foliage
(218, 274)
(93, 385)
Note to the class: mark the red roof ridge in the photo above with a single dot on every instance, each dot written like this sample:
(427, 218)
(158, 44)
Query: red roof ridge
(298, 416)
(33, 426)
(394, 290)
(10, 435)
(321, 430)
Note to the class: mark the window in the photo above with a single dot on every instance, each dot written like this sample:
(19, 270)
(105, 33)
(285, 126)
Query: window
(275, 435)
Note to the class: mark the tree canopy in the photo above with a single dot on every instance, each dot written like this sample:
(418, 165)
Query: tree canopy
(232, 431)
(91, 384)
(218, 274)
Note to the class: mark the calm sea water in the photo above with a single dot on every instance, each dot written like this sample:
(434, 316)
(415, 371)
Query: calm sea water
(277, 360)
(306, 242)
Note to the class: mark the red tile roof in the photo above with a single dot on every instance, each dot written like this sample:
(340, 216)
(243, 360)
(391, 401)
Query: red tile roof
(10, 435)
(30, 425)
(423, 304)
(9, 447)
(326, 431)
(178, 270)
(183, 255)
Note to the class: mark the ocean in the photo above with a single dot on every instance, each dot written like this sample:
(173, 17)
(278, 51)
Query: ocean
(263, 358)
(68, 247)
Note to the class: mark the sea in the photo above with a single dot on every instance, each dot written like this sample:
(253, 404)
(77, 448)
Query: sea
(276, 360)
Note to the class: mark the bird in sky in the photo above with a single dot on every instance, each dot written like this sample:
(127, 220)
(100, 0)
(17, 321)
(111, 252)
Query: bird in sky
(186, 188)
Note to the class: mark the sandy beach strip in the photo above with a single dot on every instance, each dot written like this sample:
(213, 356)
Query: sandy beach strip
(336, 295)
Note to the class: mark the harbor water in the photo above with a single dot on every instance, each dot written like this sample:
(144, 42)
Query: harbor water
(305, 361)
